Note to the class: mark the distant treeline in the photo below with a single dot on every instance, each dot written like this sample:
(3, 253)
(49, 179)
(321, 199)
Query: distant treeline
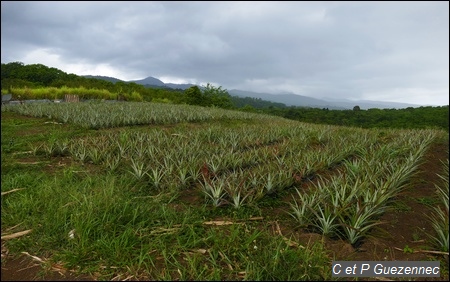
(37, 81)
(37, 76)
(409, 118)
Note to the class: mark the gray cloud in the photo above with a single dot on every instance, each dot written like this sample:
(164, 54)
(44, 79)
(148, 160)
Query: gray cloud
(392, 51)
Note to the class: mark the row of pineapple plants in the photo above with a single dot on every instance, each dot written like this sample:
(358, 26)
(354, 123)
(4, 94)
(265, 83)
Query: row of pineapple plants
(106, 115)
(439, 216)
(349, 204)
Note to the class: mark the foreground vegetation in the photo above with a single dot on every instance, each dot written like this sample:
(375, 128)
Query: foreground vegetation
(159, 191)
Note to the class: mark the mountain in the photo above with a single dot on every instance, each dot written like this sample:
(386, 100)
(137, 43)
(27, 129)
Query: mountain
(149, 81)
(107, 78)
(287, 99)
(368, 104)
(180, 86)
(332, 104)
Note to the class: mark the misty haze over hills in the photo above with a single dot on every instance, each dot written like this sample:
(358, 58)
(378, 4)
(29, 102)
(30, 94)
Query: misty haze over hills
(287, 99)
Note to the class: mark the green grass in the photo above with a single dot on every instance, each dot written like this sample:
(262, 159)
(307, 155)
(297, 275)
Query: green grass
(115, 231)
(428, 201)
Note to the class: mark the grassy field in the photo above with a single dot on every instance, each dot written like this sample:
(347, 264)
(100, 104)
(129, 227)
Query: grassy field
(148, 191)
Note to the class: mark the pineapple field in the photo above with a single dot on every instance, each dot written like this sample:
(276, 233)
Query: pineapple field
(152, 191)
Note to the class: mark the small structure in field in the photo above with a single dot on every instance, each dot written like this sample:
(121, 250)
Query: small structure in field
(71, 98)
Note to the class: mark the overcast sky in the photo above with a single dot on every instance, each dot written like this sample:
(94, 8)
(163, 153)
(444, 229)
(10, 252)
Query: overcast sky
(385, 51)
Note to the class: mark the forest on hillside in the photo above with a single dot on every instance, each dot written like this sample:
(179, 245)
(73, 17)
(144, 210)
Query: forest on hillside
(17, 77)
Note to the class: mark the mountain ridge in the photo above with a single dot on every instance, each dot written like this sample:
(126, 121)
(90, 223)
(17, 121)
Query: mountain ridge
(287, 99)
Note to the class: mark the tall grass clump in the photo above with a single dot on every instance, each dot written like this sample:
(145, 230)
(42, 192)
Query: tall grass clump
(52, 93)
(243, 252)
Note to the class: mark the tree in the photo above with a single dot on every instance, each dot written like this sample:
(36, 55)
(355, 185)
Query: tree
(356, 108)
(216, 96)
(194, 96)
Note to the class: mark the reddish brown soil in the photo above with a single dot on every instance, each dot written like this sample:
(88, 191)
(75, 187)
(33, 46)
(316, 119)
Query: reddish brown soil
(406, 226)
